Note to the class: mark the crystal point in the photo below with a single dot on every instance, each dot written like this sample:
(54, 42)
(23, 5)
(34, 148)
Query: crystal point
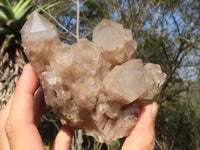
(94, 86)
(37, 24)
(113, 38)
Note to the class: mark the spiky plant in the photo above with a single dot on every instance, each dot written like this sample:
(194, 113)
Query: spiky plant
(12, 17)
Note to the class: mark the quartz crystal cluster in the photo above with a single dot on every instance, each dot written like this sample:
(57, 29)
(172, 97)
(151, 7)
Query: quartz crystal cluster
(94, 86)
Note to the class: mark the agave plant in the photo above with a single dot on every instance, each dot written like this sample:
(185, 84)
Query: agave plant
(13, 15)
(12, 18)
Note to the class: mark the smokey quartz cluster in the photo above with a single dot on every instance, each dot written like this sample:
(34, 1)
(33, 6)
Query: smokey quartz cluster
(94, 86)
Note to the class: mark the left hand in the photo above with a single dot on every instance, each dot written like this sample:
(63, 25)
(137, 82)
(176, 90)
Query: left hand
(22, 114)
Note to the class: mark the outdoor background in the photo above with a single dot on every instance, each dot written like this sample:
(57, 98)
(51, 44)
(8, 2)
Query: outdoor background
(167, 32)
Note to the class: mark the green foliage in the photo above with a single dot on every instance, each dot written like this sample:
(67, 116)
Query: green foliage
(116, 145)
(13, 17)
(46, 147)
(178, 123)
(47, 127)
(153, 50)
(169, 4)
(92, 13)
(95, 10)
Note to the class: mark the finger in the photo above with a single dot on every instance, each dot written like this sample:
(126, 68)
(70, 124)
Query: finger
(20, 127)
(143, 135)
(63, 139)
(3, 117)
(23, 100)
(39, 105)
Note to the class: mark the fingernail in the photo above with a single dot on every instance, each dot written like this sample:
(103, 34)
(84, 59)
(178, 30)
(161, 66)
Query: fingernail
(25, 68)
(154, 110)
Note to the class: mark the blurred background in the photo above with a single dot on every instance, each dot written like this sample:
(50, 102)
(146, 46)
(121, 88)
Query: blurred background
(167, 32)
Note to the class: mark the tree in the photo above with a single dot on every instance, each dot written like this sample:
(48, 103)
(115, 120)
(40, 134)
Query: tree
(167, 35)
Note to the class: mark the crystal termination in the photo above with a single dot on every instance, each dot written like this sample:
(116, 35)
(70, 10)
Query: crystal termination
(94, 86)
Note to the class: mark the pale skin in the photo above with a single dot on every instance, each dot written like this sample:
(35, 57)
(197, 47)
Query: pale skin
(22, 114)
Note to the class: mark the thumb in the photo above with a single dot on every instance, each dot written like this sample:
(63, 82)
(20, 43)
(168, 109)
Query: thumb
(20, 125)
(63, 139)
(142, 136)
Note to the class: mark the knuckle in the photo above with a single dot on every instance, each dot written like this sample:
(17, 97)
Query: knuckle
(2, 129)
(10, 128)
(151, 144)
(2, 123)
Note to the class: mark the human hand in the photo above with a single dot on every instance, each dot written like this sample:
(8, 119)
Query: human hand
(142, 136)
(21, 116)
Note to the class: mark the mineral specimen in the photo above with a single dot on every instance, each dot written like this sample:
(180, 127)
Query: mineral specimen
(94, 86)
